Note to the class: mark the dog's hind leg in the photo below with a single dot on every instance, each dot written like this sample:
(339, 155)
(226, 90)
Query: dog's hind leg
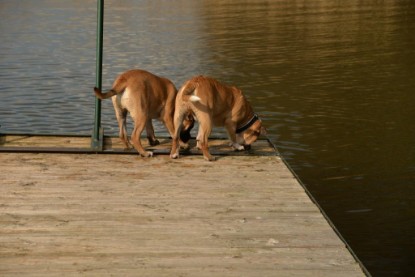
(139, 125)
(187, 124)
(205, 129)
(150, 133)
(178, 125)
(122, 123)
(121, 115)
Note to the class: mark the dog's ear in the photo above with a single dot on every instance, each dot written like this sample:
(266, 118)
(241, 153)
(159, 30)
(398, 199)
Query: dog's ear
(263, 131)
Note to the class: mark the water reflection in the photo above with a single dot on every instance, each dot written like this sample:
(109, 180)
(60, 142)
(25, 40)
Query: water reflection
(332, 80)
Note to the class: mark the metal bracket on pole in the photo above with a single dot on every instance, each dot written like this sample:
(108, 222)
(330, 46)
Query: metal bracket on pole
(97, 141)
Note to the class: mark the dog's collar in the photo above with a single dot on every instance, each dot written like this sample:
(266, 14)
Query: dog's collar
(248, 124)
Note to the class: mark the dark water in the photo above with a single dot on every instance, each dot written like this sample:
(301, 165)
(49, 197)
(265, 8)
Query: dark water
(333, 81)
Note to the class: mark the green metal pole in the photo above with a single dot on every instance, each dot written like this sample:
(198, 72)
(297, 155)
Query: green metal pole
(97, 136)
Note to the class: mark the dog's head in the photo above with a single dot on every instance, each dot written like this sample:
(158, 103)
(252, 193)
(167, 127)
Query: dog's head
(188, 123)
(251, 134)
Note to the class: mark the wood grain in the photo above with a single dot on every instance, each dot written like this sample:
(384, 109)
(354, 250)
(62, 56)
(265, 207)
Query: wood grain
(123, 215)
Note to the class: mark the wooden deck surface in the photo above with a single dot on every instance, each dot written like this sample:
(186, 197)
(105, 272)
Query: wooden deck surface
(123, 215)
(51, 143)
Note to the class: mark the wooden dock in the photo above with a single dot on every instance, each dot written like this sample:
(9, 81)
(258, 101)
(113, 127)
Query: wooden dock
(70, 214)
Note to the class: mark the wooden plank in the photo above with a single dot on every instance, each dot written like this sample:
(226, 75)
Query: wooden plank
(44, 141)
(126, 215)
(77, 144)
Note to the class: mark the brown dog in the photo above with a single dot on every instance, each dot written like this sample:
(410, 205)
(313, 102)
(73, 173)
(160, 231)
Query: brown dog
(145, 96)
(214, 104)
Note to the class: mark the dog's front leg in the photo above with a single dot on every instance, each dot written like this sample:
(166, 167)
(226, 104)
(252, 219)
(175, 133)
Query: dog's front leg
(198, 138)
(237, 146)
(230, 128)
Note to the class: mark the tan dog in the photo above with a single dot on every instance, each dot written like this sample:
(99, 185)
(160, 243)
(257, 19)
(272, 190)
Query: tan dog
(145, 96)
(214, 104)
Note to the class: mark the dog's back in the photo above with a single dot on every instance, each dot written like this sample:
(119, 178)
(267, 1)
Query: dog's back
(140, 89)
(145, 96)
(215, 98)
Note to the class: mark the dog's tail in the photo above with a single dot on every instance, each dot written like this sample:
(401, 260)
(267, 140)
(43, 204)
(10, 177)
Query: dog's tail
(119, 86)
(104, 95)
(194, 98)
(188, 92)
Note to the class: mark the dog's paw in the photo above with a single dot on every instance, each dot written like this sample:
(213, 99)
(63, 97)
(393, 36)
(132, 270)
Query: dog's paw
(174, 156)
(209, 158)
(128, 147)
(237, 146)
(154, 142)
(184, 146)
(147, 154)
